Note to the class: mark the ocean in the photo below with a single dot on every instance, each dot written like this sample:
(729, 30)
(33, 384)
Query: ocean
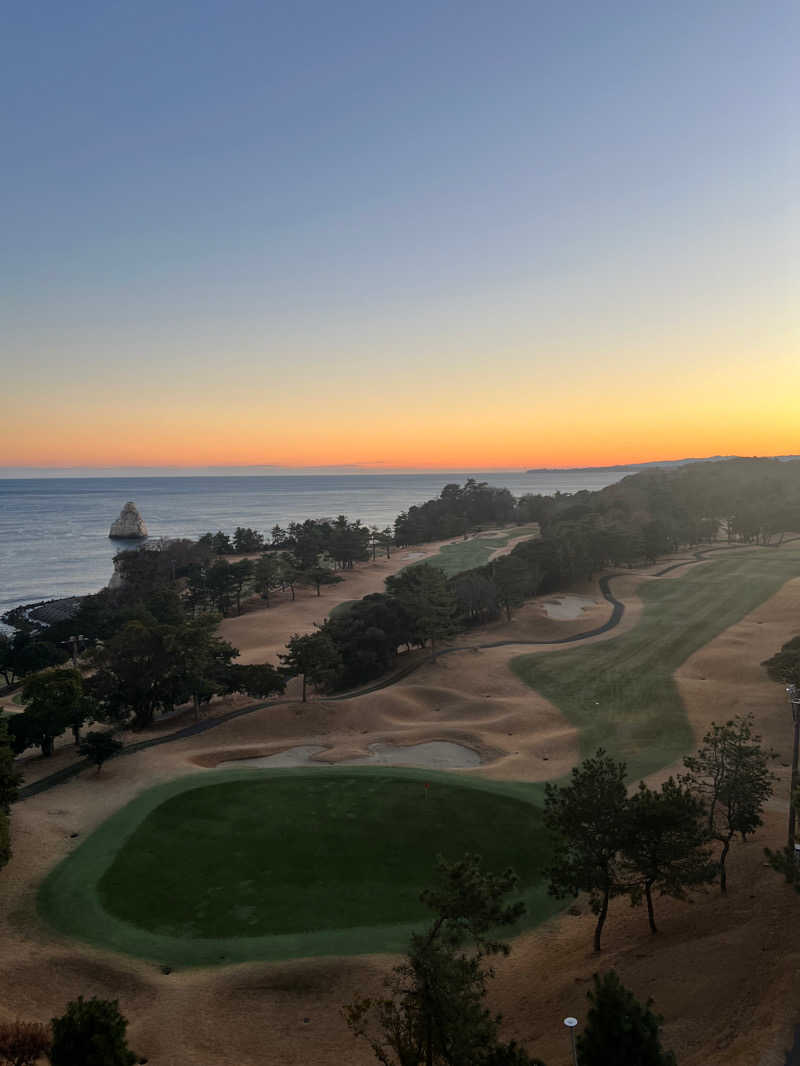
(54, 531)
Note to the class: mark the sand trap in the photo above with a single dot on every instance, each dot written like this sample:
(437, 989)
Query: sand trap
(566, 608)
(433, 755)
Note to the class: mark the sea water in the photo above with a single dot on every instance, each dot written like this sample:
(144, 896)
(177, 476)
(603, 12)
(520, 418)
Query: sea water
(54, 531)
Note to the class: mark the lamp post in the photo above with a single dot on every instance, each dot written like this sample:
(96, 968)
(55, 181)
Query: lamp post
(570, 1024)
(793, 692)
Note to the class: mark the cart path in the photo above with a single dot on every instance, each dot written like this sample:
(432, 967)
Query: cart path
(204, 725)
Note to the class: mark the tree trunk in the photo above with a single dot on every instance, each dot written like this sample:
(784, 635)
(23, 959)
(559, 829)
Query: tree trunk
(196, 701)
(648, 891)
(723, 877)
(601, 920)
(304, 689)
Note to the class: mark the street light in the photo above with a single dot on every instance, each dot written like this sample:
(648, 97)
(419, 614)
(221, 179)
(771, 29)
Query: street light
(570, 1024)
(793, 693)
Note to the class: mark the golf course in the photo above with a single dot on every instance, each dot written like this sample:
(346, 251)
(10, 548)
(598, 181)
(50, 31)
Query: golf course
(276, 864)
(241, 865)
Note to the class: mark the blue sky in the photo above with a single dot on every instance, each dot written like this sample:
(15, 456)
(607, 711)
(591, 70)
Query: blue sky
(301, 193)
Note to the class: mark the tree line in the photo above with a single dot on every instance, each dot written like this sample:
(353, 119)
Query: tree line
(607, 843)
(635, 520)
(643, 516)
(343, 541)
(631, 522)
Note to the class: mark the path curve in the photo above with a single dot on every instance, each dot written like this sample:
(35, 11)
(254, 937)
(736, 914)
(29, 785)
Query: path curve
(197, 728)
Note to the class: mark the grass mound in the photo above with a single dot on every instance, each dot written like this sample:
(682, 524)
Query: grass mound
(274, 864)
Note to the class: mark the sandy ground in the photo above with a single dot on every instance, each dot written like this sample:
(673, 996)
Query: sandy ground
(433, 755)
(724, 973)
(260, 633)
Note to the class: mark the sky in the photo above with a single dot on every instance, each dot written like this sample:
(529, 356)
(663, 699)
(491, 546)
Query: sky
(398, 235)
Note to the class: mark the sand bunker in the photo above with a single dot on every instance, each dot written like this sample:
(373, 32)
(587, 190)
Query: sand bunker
(567, 608)
(433, 755)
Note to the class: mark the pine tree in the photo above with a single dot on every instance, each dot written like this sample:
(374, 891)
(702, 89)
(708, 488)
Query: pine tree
(730, 775)
(425, 593)
(91, 1033)
(587, 821)
(620, 1029)
(434, 1013)
(665, 844)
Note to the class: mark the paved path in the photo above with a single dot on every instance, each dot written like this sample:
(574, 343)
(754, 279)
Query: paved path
(204, 725)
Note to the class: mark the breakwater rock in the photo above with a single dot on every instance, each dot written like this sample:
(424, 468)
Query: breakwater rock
(130, 524)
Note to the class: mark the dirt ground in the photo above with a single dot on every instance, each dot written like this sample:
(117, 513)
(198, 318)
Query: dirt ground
(724, 973)
(260, 632)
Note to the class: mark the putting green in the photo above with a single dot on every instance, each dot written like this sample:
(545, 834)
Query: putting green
(260, 864)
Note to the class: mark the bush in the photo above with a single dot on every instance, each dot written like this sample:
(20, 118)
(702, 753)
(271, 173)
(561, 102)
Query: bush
(22, 1043)
(91, 1033)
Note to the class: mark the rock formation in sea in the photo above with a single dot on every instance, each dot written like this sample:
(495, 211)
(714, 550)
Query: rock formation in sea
(130, 524)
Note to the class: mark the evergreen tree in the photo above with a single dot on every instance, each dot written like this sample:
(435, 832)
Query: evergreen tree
(266, 575)
(314, 655)
(509, 575)
(9, 778)
(53, 703)
(91, 1033)
(99, 746)
(427, 597)
(665, 844)
(620, 1029)
(9, 782)
(434, 1013)
(319, 575)
(730, 774)
(587, 820)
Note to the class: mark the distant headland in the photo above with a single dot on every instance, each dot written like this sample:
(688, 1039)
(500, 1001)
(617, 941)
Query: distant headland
(635, 467)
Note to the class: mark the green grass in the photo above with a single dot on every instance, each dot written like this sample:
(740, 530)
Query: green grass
(621, 694)
(236, 865)
(277, 864)
(466, 554)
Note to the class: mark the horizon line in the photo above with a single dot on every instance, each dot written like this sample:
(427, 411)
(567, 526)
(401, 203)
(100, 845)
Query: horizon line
(275, 469)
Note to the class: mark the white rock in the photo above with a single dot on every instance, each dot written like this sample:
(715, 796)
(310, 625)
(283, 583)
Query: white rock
(130, 524)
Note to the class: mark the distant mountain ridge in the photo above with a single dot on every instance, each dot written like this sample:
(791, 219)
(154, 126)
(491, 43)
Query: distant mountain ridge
(634, 467)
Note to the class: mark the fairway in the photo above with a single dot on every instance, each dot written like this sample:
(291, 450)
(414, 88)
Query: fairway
(271, 864)
(465, 554)
(621, 694)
